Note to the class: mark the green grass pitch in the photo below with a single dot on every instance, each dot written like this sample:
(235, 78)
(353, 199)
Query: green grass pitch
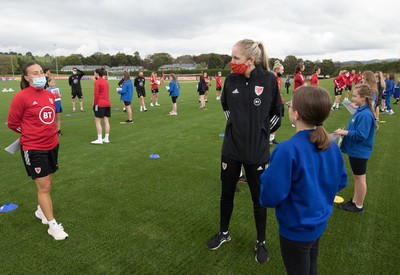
(126, 213)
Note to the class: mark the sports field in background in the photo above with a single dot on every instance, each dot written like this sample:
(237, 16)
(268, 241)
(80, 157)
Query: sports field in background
(126, 213)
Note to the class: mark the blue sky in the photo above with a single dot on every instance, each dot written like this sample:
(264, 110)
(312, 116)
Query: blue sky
(339, 30)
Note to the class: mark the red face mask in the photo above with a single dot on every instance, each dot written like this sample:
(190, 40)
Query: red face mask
(239, 68)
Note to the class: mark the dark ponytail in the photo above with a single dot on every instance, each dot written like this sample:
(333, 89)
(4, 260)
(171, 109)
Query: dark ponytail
(25, 83)
(100, 71)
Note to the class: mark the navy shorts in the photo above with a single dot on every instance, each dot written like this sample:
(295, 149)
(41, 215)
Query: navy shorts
(58, 107)
(101, 112)
(39, 164)
(127, 103)
(348, 87)
(174, 99)
(154, 91)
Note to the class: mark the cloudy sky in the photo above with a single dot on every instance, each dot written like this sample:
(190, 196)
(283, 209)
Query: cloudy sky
(341, 30)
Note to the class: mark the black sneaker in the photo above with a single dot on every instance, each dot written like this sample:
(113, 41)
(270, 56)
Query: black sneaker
(59, 133)
(350, 206)
(274, 141)
(218, 239)
(129, 121)
(261, 253)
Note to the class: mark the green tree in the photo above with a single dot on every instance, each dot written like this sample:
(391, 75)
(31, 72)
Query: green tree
(184, 59)
(137, 60)
(290, 63)
(327, 67)
(309, 66)
(215, 61)
(74, 59)
(121, 59)
(160, 59)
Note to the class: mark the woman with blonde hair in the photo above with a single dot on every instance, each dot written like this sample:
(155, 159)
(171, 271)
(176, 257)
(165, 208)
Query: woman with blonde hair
(358, 143)
(252, 106)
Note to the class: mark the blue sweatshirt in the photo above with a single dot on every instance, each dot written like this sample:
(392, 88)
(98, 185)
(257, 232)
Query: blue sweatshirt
(301, 183)
(174, 88)
(360, 139)
(127, 91)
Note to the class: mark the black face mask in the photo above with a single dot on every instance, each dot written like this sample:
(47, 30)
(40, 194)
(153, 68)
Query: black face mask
(279, 74)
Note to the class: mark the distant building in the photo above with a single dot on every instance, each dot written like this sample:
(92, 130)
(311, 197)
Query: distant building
(126, 68)
(83, 67)
(172, 67)
(94, 67)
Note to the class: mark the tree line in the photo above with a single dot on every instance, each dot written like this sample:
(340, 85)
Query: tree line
(13, 61)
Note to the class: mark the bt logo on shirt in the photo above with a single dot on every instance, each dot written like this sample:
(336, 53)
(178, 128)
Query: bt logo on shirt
(47, 115)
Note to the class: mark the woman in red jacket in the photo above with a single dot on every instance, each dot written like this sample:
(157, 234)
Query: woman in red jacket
(101, 106)
(299, 79)
(32, 115)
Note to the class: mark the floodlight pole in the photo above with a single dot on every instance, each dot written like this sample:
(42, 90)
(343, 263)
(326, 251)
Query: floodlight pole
(12, 64)
(55, 57)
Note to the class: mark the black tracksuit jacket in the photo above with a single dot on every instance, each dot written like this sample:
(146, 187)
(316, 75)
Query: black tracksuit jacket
(253, 108)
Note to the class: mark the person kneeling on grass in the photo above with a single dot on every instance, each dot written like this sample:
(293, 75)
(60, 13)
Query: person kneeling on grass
(302, 179)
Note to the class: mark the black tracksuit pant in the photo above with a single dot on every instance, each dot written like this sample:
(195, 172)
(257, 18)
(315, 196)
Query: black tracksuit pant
(230, 171)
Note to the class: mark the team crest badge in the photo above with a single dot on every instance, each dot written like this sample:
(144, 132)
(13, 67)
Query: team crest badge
(38, 170)
(259, 90)
(51, 100)
(224, 166)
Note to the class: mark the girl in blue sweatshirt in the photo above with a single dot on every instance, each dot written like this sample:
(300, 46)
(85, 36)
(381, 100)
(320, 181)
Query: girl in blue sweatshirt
(302, 179)
(174, 89)
(358, 143)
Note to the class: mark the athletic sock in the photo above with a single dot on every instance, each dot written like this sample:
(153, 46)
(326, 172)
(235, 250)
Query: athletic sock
(106, 135)
(99, 136)
(52, 223)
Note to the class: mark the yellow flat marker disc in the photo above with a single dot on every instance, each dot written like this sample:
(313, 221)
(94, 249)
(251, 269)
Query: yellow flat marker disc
(382, 121)
(338, 199)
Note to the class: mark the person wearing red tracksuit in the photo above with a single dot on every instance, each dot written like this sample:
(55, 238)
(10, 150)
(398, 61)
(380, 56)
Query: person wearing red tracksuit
(32, 115)
(314, 78)
(299, 79)
(339, 84)
(349, 84)
(101, 106)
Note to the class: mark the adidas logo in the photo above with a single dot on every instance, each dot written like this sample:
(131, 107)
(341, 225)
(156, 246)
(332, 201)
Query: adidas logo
(235, 91)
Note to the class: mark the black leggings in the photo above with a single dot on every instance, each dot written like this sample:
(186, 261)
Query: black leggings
(300, 258)
(230, 171)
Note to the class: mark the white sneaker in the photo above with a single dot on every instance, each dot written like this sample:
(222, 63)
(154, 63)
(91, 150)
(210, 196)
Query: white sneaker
(157, 104)
(218, 98)
(57, 232)
(40, 215)
(151, 104)
(173, 114)
(391, 112)
(97, 141)
(106, 140)
(144, 109)
(141, 108)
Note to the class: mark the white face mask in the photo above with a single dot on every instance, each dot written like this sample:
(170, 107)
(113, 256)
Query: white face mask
(39, 82)
(73, 72)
